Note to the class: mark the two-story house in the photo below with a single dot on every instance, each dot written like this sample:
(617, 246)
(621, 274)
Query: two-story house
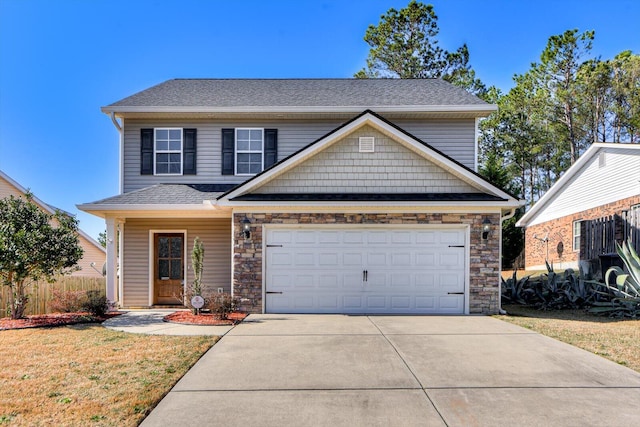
(310, 196)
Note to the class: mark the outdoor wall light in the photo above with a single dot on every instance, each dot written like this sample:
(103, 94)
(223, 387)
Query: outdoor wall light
(246, 228)
(486, 228)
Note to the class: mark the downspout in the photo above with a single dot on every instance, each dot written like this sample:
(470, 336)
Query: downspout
(121, 156)
(510, 215)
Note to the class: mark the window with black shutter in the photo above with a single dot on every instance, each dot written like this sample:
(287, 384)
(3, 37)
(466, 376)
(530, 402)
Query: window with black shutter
(168, 151)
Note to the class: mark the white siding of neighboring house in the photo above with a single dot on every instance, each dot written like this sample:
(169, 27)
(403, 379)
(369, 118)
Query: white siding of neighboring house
(454, 137)
(391, 168)
(216, 239)
(596, 185)
(92, 253)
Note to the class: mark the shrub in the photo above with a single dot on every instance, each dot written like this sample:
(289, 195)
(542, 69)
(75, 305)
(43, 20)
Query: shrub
(552, 291)
(222, 304)
(96, 303)
(66, 301)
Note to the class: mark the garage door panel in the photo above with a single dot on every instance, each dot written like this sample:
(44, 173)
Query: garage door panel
(425, 259)
(280, 259)
(305, 237)
(425, 237)
(352, 302)
(329, 281)
(328, 259)
(376, 258)
(328, 302)
(328, 237)
(401, 280)
(353, 237)
(401, 303)
(304, 259)
(352, 259)
(408, 271)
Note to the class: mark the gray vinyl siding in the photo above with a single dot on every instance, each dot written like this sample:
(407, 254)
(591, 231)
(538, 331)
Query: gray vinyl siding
(216, 238)
(391, 168)
(453, 137)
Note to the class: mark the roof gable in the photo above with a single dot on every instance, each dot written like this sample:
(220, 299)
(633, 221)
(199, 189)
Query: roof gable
(588, 183)
(410, 165)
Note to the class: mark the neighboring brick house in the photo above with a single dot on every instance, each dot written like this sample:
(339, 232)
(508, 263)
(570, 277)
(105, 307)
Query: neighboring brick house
(93, 251)
(310, 196)
(595, 203)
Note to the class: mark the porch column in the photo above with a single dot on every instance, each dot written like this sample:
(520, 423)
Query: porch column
(112, 264)
(120, 267)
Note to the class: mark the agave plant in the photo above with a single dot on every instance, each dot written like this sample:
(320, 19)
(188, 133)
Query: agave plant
(625, 292)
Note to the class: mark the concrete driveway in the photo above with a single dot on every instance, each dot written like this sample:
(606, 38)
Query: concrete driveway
(333, 370)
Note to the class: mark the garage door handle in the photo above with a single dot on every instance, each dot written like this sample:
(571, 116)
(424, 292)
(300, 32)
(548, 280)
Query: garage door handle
(456, 246)
(365, 275)
(270, 292)
(455, 293)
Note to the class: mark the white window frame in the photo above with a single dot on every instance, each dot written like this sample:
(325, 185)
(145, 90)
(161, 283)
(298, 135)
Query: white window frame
(574, 235)
(236, 152)
(167, 151)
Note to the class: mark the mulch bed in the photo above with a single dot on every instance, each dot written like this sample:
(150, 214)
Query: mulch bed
(188, 318)
(53, 319)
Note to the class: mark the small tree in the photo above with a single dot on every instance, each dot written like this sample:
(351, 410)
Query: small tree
(197, 262)
(34, 245)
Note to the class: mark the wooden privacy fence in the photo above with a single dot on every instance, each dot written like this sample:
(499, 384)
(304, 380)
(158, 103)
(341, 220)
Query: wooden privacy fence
(631, 226)
(599, 236)
(41, 293)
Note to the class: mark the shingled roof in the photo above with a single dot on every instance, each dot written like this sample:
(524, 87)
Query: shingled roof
(287, 94)
(168, 194)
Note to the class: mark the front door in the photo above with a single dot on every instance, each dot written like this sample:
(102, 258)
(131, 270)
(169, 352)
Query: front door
(169, 268)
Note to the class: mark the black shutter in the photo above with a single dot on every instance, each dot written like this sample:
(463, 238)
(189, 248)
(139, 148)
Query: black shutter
(228, 149)
(189, 149)
(146, 151)
(270, 147)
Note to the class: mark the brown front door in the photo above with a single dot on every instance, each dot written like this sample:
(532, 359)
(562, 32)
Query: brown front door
(169, 268)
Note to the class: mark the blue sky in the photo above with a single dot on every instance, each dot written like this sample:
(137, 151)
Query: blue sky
(60, 61)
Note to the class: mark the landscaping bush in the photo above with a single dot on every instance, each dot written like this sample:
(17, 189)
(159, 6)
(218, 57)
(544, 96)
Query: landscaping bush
(96, 303)
(66, 301)
(92, 301)
(552, 291)
(222, 304)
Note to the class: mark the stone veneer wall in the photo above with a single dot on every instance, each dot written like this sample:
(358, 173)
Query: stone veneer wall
(484, 257)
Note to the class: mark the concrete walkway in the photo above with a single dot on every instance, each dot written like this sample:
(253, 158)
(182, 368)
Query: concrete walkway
(331, 370)
(150, 322)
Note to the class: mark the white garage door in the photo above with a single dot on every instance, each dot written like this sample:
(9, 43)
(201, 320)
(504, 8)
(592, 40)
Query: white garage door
(365, 270)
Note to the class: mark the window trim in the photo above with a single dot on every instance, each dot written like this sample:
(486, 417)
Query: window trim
(236, 152)
(573, 235)
(168, 151)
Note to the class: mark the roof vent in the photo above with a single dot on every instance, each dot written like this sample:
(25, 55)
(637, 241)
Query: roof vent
(367, 144)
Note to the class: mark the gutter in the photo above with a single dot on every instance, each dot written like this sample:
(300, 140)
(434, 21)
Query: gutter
(510, 215)
(120, 127)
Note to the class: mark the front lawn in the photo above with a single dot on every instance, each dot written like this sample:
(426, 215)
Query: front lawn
(89, 375)
(617, 340)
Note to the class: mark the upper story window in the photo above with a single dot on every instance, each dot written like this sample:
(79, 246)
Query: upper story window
(576, 235)
(168, 151)
(249, 151)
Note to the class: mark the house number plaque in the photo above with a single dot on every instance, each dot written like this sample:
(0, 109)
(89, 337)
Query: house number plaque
(197, 301)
